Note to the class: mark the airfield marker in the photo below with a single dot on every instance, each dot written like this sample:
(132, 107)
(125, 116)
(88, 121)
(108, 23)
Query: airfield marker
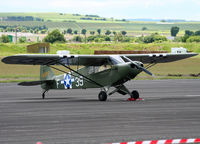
(168, 141)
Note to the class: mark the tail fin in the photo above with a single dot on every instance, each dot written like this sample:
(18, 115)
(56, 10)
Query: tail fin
(46, 78)
(46, 73)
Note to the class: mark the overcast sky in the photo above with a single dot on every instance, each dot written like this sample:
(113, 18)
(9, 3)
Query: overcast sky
(156, 9)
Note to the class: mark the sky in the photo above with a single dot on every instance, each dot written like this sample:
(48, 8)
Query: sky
(128, 9)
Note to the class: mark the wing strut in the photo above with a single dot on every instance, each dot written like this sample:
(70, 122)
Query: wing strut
(79, 74)
(65, 72)
(48, 63)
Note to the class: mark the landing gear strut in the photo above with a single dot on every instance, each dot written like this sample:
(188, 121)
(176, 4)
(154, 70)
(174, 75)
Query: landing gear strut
(102, 96)
(43, 94)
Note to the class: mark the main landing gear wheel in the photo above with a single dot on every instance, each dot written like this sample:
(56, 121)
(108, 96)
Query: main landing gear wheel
(102, 96)
(135, 94)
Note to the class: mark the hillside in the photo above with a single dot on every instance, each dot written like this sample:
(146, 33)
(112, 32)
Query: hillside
(60, 17)
(78, 22)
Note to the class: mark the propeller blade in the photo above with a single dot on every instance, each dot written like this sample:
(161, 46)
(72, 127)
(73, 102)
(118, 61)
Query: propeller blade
(138, 66)
(146, 71)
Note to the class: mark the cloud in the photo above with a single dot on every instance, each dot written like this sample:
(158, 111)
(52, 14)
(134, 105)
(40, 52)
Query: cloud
(103, 3)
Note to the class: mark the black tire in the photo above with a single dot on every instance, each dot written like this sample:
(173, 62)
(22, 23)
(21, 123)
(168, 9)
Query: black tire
(102, 96)
(135, 94)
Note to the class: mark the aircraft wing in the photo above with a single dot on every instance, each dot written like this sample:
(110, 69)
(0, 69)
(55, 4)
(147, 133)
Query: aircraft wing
(91, 60)
(159, 57)
(54, 59)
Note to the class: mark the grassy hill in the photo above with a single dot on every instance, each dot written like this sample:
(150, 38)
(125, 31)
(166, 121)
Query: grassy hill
(57, 17)
(63, 21)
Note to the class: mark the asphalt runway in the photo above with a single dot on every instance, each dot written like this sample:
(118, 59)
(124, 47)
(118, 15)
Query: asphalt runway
(170, 109)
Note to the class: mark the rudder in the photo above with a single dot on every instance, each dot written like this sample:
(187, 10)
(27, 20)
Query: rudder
(46, 73)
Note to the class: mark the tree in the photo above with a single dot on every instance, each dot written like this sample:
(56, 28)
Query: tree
(144, 28)
(174, 31)
(99, 31)
(108, 32)
(197, 33)
(5, 39)
(69, 31)
(54, 36)
(92, 32)
(83, 31)
(189, 33)
(75, 32)
(107, 38)
(123, 32)
(64, 32)
(114, 32)
(184, 38)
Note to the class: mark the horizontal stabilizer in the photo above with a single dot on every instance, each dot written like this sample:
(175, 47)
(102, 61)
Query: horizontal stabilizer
(33, 83)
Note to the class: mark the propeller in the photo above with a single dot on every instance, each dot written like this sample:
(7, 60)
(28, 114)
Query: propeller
(138, 66)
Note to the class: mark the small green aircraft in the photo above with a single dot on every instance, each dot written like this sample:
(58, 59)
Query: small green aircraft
(93, 71)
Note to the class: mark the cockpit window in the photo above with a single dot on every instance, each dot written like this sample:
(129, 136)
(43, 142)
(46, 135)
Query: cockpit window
(96, 69)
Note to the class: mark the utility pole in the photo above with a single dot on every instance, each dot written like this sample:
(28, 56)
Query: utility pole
(16, 34)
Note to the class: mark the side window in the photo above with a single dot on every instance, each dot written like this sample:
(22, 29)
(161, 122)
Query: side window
(96, 69)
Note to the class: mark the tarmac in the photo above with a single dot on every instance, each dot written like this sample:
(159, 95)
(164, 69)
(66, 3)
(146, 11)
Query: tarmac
(169, 109)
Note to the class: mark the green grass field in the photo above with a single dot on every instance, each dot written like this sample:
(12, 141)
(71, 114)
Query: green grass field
(11, 49)
(180, 69)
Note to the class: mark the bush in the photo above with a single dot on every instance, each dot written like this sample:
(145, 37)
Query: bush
(185, 37)
(178, 39)
(127, 39)
(54, 36)
(148, 39)
(98, 38)
(154, 38)
(118, 37)
(193, 39)
(197, 33)
(5, 39)
(22, 40)
(159, 38)
(77, 39)
(107, 38)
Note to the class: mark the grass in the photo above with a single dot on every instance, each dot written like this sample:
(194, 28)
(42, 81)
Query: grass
(11, 49)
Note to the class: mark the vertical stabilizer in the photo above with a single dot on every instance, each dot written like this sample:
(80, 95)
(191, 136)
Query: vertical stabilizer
(46, 73)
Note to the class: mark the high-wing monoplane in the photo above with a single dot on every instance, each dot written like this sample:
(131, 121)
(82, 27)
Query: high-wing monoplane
(93, 71)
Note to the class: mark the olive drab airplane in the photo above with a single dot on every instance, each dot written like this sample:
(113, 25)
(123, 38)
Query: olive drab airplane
(93, 71)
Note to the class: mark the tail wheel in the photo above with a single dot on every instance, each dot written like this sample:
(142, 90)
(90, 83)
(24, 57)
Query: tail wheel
(135, 94)
(102, 96)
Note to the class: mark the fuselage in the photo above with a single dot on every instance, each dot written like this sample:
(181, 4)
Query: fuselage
(112, 76)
